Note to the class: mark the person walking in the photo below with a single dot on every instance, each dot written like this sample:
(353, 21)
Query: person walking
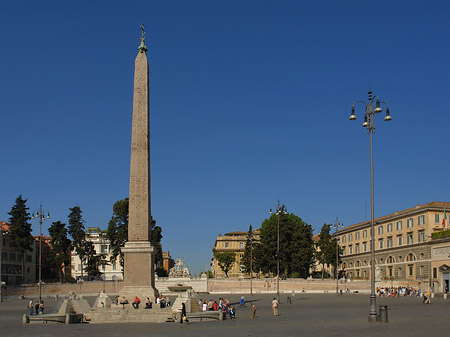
(275, 304)
(183, 316)
(253, 310)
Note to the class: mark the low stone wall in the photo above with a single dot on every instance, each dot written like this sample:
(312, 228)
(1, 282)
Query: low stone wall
(269, 285)
(231, 285)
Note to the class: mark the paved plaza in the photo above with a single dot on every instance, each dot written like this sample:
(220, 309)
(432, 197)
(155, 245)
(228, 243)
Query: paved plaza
(308, 315)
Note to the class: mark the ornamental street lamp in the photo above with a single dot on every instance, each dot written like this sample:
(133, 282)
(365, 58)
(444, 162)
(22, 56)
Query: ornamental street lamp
(369, 123)
(336, 226)
(281, 209)
(40, 213)
(2, 234)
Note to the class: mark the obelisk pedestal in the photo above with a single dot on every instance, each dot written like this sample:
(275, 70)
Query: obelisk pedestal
(139, 255)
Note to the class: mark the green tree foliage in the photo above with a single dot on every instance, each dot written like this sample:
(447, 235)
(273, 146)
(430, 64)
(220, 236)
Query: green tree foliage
(78, 234)
(296, 246)
(19, 233)
(117, 234)
(59, 252)
(93, 261)
(249, 252)
(225, 260)
(326, 254)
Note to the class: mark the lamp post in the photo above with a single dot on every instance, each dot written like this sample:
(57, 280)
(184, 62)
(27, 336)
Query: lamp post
(1, 246)
(40, 213)
(336, 226)
(251, 263)
(281, 209)
(369, 123)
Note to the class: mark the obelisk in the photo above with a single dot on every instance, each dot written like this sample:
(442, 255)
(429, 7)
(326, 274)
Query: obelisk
(139, 256)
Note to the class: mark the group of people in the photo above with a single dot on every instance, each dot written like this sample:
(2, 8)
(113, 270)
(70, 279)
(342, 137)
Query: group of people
(35, 308)
(160, 300)
(398, 292)
(223, 305)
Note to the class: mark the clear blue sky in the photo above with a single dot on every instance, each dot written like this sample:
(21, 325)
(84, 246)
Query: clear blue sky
(249, 104)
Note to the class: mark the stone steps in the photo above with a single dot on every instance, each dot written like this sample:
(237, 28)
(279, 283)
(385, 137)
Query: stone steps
(108, 315)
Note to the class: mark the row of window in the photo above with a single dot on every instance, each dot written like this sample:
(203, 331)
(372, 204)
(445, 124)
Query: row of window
(389, 243)
(389, 227)
(227, 244)
(15, 257)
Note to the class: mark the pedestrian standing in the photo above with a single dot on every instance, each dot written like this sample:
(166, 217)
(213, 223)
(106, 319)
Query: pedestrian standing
(41, 307)
(275, 304)
(36, 307)
(253, 310)
(31, 307)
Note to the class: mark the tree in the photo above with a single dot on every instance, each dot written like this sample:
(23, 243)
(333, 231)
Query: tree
(60, 245)
(225, 260)
(322, 251)
(19, 232)
(249, 253)
(78, 234)
(296, 246)
(117, 232)
(92, 260)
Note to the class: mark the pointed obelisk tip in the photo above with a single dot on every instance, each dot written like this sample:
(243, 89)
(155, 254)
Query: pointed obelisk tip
(142, 48)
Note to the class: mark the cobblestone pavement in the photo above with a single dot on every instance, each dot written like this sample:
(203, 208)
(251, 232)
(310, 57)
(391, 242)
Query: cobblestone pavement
(309, 314)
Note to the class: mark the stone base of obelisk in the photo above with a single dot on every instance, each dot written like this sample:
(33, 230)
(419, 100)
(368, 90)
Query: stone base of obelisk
(139, 272)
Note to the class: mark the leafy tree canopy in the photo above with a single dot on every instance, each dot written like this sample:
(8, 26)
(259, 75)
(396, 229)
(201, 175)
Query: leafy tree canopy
(225, 260)
(59, 247)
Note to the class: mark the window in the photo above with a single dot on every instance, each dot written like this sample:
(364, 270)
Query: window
(364, 246)
(103, 249)
(409, 238)
(380, 230)
(411, 257)
(357, 248)
(399, 225)
(4, 256)
(241, 245)
(350, 249)
(421, 270)
(410, 222)
(421, 219)
(227, 244)
(365, 233)
(241, 256)
(12, 256)
(410, 269)
(343, 250)
(28, 270)
(436, 218)
(399, 272)
(421, 236)
(434, 272)
(389, 227)
(357, 236)
(389, 242)
(380, 243)
(350, 237)
(400, 240)
(343, 238)
(390, 259)
(390, 272)
(29, 258)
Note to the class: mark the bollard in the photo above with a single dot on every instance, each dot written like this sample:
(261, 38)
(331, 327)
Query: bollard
(25, 319)
(289, 300)
(341, 291)
(386, 320)
(445, 296)
(380, 309)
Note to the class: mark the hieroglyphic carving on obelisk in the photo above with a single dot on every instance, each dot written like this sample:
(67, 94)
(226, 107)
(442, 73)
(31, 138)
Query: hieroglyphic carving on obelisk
(139, 258)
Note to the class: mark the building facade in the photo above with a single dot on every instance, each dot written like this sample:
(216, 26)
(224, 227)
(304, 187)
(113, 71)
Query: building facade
(406, 251)
(111, 271)
(11, 261)
(232, 242)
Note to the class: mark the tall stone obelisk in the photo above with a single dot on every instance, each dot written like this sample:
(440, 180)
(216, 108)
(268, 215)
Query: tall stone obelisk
(139, 256)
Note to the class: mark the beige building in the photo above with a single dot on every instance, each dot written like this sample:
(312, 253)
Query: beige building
(11, 261)
(231, 242)
(113, 270)
(406, 251)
